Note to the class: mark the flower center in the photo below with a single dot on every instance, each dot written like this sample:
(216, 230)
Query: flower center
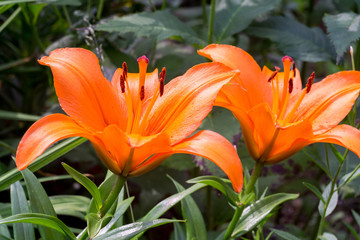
(281, 99)
(137, 116)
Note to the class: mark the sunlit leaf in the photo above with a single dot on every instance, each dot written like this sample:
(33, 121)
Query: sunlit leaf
(284, 235)
(333, 201)
(70, 205)
(255, 213)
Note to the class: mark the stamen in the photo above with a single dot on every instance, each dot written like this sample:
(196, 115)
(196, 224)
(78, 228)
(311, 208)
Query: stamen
(125, 70)
(143, 63)
(285, 91)
(162, 80)
(273, 75)
(122, 83)
(291, 85)
(309, 82)
(294, 69)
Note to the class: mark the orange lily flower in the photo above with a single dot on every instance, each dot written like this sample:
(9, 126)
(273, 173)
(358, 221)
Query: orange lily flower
(134, 122)
(279, 118)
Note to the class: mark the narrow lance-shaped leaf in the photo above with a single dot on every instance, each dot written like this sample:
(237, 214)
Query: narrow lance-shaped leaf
(284, 235)
(40, 203)
(195, 225)
(314, 190)
(86, 182)
(19, 205)
(333, 201)
(43, 220)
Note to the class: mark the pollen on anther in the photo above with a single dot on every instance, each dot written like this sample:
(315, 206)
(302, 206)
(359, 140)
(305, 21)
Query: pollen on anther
(309, 82)
(125, 69)
(122, 83)
(142, 93)
(162, 80)
(291, 85)
(273, 75)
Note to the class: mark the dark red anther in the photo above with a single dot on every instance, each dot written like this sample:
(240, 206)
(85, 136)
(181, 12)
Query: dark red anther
(291, 85)
(273, 75)
(294, 69)
(125, 70)
(162, 80)
(309, 82)
(142, 93)
(122, 83)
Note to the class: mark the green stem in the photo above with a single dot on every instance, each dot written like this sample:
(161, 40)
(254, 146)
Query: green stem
(249, 188)
(163, 6)
(114, 193)
(89, 4)
(100, 9)
(211, 21)
(131, 210)
(67, 16)
(204, 14)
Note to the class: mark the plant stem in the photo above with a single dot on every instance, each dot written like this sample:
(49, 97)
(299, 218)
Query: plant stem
(204, 14)
(131, 210)
(249, 188)
(100, 9)
(211, 21)
(114, 193)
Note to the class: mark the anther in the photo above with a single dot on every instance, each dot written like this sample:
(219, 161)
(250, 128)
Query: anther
(142, 93)
(162, 80)
(125, 70)
(122, 83)
(309, 82)
(273, 75)
(294, 69)
(291, 85)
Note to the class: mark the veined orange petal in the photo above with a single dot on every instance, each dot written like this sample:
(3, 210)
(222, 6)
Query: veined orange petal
(209, 145)
(330, 100)
(44, 133)
(119, 145)
(251, 76)
(343, 135)
(187, 100)
(83, 92)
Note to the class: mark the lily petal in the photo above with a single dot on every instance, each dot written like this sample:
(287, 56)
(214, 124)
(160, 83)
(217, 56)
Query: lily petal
(83, 92)
(210, 145)
(330, 100)
(251, 76)
(343, 135)
(44, 133)
(187, 100)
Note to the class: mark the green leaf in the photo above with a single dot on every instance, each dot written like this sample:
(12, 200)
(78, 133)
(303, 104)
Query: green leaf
(349, 176)
(255, 213)
(195, 225)
(233, 16)
(10, 19)
(284, 235)
(50, 155)
(120, 210)
(343, 29)
(332, 203)
(94, 222)
(179, 233)
(339, 157)
(220, 185)
(56, 2)
(18, 116)
(356, 216)
(4, 231)
(43, 220)
(130, 230)
(351, 229)
(169, 202)
(87, 183)
(19, 204)
(158, 25)
(295, 39)
(40, 203)
(70, 205)
(328, 236)
(314, 190)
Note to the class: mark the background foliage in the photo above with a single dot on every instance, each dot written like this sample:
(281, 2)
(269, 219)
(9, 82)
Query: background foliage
(317, 34)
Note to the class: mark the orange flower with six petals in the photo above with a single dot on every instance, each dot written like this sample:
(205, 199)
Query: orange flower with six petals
(278, 118)
(134, 122)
